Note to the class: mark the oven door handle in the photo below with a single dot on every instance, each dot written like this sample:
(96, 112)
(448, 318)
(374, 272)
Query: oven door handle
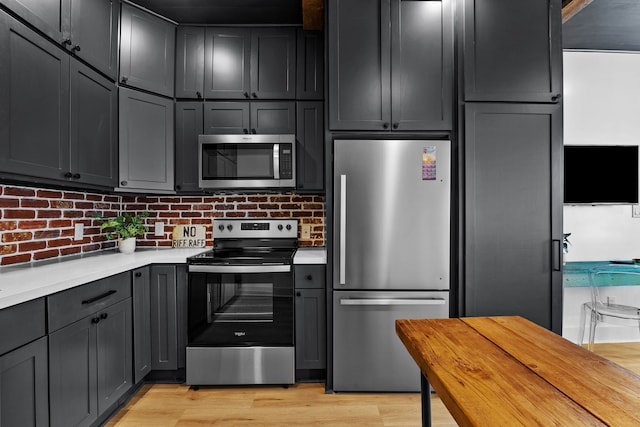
(280, 268)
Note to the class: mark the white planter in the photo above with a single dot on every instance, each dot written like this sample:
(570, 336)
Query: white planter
(127, 246)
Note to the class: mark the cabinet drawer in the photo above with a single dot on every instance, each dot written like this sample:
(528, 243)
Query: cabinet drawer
(309, 276)
(74, 304)
(21, 324)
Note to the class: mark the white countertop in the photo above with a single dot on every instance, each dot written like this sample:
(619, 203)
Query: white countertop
(310, 256)
(25, 282)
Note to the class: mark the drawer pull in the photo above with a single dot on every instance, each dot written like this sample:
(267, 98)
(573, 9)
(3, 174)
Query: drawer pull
(99, 297)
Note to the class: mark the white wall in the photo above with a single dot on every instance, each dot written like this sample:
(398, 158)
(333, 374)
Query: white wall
(601, 106)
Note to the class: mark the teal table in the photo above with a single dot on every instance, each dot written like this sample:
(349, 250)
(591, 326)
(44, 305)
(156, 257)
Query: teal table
(576, 274)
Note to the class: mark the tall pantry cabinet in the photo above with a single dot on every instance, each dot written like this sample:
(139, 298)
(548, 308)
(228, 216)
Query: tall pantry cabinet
(511, 137)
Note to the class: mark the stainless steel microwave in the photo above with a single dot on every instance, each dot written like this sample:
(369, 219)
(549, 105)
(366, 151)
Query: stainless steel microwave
(247, 161)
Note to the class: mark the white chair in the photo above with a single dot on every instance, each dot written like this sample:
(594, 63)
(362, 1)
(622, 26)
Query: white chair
(600, 311)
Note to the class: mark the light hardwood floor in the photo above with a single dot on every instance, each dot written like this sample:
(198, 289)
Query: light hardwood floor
(300, 405)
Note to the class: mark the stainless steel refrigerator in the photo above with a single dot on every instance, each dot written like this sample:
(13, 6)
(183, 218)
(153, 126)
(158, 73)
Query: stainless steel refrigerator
(390, 255)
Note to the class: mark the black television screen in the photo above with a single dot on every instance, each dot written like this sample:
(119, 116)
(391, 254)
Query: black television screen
(601, 174)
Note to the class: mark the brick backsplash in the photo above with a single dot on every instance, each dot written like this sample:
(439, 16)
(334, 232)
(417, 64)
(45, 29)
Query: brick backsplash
(39, 223)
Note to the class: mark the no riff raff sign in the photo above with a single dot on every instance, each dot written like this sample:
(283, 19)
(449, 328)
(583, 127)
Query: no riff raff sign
(189, 236)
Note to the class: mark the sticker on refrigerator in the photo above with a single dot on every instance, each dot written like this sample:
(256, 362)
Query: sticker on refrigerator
(429, 164)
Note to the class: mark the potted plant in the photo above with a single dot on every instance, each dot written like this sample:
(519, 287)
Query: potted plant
(125, 228)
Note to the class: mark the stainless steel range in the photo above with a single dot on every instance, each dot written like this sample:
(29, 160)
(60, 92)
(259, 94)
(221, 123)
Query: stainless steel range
(240, 309)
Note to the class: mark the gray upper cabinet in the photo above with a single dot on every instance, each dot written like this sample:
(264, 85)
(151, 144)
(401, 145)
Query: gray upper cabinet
(310, 68)
(189, 124)
(513, 211)
(273, 63)
(227, 63)
(46, 15)
(87, 28)
(236, 63)
(146, 142)
(310, 145)
(390, 65)
(147, 51)
(34, 87)
(256, 117)
(190, 62)
(75, 107)
(91, 33)
(512, 50)
(94, 128)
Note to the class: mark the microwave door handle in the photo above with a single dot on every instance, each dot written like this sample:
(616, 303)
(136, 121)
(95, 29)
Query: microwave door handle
(276, 161)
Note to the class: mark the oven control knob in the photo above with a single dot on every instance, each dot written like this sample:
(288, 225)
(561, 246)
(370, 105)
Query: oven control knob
(221, 227)
(289, 227)
(229, 227)
(280, 227)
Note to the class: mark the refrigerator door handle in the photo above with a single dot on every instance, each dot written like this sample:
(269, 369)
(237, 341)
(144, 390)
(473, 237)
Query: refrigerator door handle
(392, 301)
(343, 229)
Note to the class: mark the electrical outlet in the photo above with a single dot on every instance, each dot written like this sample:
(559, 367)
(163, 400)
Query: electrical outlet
(158, 229)
(78, 232)
(306, 232)
(635, 211)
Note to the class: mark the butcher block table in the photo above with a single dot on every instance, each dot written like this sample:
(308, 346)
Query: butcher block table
(508, 371)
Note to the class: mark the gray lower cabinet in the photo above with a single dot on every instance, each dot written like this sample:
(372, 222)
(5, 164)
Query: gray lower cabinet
(255, 117)
(146, 142)
(513, 212)
(164, 318)
(141, 299)
(90, 350)
(24, 376)
(147, 51)
(310, 145)
(310, 320)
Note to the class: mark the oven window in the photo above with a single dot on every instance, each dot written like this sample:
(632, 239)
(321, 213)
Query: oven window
(233, 301)
(240, 309)
(237, 161)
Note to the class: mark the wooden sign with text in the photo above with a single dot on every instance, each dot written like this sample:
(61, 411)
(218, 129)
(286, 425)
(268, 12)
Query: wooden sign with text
(189, 236)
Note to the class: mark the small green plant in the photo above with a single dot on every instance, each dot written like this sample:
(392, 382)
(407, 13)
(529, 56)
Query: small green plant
(124, 226)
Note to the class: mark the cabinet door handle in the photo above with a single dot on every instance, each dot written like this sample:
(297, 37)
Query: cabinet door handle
(124, 79)
(246, 94)
(123, 183)
(245, 130)
(76, 176)
(556, 97)
(253, 94)
(385, 125)
(298, 294)
(99, 297)
(68, 175)
(66, 42)
(76, 48)
(95, 320)
(253, 131)
(138, 274)
(104, 316)
(309, 277)
(396, 125)
(198, 95)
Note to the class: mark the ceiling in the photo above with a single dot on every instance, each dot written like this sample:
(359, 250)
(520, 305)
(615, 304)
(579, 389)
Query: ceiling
(227, 12)
(602, 25)
(588, 24)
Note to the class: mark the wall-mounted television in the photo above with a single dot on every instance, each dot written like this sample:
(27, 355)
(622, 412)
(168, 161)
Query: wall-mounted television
(600, 174)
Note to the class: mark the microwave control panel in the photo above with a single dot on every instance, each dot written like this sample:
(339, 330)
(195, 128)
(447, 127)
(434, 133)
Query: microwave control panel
(286, 162)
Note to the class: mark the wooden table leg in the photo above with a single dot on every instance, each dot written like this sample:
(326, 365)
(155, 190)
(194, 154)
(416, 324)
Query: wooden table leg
(425, 393)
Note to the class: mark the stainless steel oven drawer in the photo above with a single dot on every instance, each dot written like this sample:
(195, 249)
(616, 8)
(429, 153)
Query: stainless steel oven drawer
(240, 365)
